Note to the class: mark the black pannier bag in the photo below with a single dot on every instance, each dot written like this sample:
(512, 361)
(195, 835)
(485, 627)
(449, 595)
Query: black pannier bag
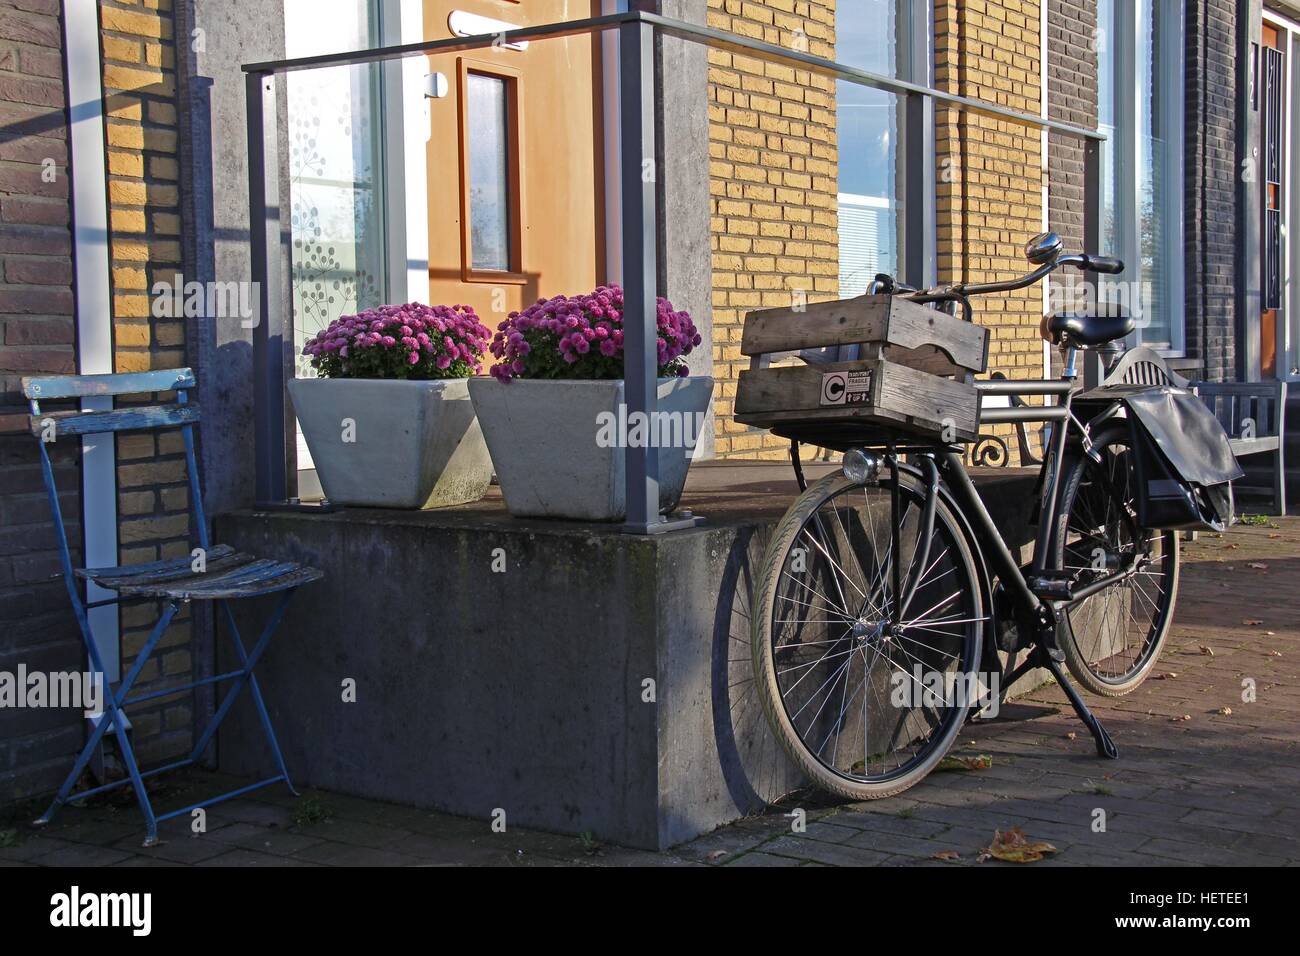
(1183, 464)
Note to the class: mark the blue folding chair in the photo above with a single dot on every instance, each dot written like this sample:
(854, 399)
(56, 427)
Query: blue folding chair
(217, 574)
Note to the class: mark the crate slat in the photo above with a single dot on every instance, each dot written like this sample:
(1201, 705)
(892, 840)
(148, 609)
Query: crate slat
(880, 319)
(876, 395)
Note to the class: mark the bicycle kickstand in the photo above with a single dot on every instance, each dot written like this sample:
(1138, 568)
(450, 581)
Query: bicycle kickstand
(1105, 746)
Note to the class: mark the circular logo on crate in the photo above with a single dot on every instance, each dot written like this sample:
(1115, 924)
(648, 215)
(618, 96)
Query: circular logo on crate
(835, 386)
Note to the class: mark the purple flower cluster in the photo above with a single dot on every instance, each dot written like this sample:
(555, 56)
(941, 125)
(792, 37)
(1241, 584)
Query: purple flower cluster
(412, 341)
(582, 337)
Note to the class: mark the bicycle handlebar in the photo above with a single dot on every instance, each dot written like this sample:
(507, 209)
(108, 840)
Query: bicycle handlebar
(1103, 265)
(1106, 265)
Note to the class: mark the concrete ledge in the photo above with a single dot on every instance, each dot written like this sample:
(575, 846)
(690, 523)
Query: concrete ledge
(526, 689)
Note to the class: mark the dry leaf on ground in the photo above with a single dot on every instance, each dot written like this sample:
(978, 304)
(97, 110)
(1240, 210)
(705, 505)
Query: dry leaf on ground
(980, 762)
(946, 855)
(1014, 847)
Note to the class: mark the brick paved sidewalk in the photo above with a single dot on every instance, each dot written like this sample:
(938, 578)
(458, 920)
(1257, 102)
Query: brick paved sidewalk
(1203, 778)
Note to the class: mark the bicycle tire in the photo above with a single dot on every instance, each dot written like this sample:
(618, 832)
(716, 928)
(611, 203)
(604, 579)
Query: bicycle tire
(1153, 593)
(768, 679)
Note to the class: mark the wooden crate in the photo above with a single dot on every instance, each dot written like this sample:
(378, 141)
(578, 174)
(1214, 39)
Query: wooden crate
(874, 368)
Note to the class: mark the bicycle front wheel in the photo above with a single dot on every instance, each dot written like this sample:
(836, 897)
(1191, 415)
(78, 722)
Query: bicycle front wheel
(1118, 632)
(864, 697)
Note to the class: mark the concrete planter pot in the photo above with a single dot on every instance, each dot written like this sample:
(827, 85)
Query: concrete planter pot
(414, 444)
(559, 447)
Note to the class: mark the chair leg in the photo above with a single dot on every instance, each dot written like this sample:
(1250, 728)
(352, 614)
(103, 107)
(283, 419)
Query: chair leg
(248, 661)
(115, 714)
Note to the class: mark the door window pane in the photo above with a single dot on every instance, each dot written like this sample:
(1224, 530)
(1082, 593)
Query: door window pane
(335, 158)
(488, 111)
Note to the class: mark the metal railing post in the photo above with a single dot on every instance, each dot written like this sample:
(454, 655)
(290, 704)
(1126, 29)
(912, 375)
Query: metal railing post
(264, 252)
(1094, 366)
(640, 269)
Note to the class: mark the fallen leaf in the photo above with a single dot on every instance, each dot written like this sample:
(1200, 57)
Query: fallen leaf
(1207, 650)
(1071, 735)
(980, 762)
(1274, 653)
(1184, 717)
(1251, 621)
(946, 855)
(716, 855)
(1226, 711)
(1014, 847)
(1275, 535)
(1167, 675)
(1231, 547)
(1270, 633)
(1257, 565)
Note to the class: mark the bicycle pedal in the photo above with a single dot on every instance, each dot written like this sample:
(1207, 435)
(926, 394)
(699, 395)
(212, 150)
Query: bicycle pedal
(1051, 587)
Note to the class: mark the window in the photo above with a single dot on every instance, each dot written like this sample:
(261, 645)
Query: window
(1140, 64)
(490, 180)
(337, 227)
(867, 124)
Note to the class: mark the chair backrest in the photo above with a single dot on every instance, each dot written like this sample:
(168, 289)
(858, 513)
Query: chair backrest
(1246, 409)
(49, 427)
(1143, 366)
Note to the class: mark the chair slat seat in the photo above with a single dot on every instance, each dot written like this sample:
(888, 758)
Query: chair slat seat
(227, 574)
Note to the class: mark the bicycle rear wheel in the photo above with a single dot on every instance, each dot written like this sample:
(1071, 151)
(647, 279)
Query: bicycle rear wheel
(1120, 631)
(865, 700)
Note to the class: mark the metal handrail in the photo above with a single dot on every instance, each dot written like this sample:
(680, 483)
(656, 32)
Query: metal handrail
(710, 36)
(637, 31)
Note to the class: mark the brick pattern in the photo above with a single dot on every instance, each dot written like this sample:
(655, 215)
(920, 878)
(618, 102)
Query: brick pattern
(774, 168)
(36, 336)
(1211, 174)
(990, 172)
(139, 76)
(1071, 98)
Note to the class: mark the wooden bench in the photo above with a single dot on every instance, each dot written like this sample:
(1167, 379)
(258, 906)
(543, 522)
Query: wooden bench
(1254, 416)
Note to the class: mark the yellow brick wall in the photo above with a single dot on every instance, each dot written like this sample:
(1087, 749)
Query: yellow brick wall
(990, 173)
(139, 77)
(774, 180)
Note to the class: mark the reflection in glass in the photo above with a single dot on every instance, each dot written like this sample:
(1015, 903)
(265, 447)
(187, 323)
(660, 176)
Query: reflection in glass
(489, 172)
(867, 125)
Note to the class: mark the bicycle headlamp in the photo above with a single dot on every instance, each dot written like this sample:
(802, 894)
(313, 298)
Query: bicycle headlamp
(859, 466)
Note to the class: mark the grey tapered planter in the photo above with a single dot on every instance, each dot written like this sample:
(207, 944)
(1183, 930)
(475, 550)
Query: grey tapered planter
(414, 444)
(550, 443)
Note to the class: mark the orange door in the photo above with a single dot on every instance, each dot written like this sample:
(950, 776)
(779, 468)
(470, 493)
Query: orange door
(516, 209)
(1274, 121)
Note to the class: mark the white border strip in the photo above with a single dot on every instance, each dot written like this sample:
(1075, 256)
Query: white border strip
(94, 304)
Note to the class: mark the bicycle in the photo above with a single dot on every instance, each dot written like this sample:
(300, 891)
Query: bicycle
(887, 589)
